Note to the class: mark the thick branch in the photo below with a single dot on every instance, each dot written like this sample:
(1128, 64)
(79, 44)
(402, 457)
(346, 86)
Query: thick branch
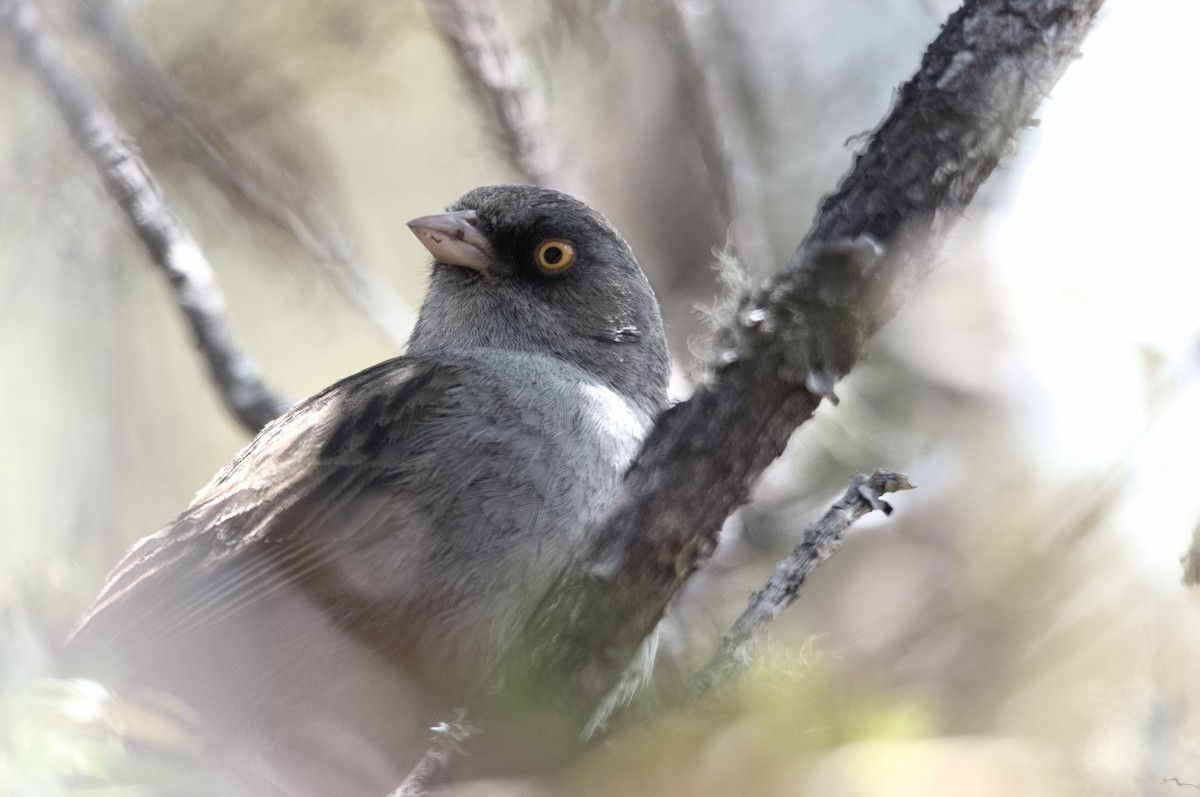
(873, 239)
(821, 540)
(169, 244)
(496, 75)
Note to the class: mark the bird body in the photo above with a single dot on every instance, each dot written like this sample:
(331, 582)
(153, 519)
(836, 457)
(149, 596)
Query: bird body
(365, 560)
(443, 547)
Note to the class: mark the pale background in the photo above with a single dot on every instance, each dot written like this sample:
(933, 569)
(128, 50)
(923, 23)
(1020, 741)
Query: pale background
(1018, 626)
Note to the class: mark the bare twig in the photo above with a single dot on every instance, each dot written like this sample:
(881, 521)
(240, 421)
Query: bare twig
(169, 244)
(821, 540)
(267, 188)
(496, 75)
(430, 772)
(1180, 783)
(873, 239)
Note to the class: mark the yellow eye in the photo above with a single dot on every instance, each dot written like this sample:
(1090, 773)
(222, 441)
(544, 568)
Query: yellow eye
(555, 254)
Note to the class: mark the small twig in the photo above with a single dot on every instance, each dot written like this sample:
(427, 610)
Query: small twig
(496, 74)
(169, 244)
(1180, 783)
(430, 772)
(821, 540)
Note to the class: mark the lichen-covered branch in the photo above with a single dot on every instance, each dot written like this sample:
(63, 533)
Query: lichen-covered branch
(169, 244)
(874, 238)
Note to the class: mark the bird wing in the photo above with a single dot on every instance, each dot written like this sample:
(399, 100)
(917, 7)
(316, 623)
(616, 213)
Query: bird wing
(275, 512)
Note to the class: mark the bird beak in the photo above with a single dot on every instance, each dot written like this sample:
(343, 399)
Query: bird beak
(455, 239)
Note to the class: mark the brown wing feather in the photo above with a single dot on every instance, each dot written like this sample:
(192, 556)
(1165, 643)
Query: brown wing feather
(265, 520)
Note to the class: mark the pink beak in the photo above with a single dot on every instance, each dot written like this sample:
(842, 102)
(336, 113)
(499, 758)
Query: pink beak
(455, 239)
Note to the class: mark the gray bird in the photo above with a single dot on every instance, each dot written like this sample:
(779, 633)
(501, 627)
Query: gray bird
(363, 562)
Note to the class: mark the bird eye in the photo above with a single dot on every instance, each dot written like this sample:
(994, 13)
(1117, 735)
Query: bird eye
(555, 254)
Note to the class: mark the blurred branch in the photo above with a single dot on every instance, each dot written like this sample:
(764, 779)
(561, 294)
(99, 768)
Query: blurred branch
(873, 240)
(169, 244)
(821, 540)
(266, 187)
(431, 771)
(1191, 560)
(496, 75)
(1180, 783)
(714, 116)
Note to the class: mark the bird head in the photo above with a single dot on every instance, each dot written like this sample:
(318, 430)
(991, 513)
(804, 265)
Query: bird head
(526, 268)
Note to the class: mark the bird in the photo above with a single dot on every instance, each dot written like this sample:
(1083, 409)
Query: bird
(364, 561)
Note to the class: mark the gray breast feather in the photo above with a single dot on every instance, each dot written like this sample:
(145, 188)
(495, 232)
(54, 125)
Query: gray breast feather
(517, 473)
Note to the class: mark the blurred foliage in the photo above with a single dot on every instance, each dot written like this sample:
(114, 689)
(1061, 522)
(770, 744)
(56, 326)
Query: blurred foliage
(1016, 627)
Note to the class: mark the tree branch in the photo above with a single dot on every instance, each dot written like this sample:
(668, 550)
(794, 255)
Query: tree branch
(821, 540)
(266, 187)
(496, 75)
(169, 244)
(979, 83)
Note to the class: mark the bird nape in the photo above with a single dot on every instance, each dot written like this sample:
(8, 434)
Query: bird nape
(360, 567)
